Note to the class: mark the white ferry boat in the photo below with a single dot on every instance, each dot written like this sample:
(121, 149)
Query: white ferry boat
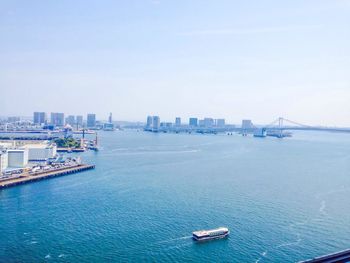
(204, 235)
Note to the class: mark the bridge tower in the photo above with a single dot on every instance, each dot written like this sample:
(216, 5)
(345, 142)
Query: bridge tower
(280, 127)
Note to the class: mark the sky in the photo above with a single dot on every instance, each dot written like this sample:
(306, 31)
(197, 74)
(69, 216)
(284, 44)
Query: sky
(232, 59)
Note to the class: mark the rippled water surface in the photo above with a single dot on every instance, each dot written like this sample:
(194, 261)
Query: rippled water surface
(283, 200)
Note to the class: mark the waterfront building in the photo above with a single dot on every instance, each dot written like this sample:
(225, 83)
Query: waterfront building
(155, 123)
(57, 119)
(3, 160)
(149, 122)
(220, 123)
(247, 124)
(166, 124)
(193, 122)
(39, 118)
(108, 126)
(79, 120)
(201, 123)
(208, 122)
(36, 150)
(110, 118)
(177, 121)
(91, 120)
(17, 158)
(261, 132)
(41, 151)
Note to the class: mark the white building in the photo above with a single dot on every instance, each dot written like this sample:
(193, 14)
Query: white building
(17, 158)
(3, 160)
(39, 152)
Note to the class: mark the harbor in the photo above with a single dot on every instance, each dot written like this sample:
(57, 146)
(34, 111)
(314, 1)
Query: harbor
(37, 176)
(165, 186)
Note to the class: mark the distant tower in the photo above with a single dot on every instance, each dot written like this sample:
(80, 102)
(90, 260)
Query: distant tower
(110, 117)
(178, 121)
(91, 120)
(156, 123)
(149, 122)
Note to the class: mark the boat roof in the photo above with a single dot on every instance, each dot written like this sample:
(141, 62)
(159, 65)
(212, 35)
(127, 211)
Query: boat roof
(208, 232)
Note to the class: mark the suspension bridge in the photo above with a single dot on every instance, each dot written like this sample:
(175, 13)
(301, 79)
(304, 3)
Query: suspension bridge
(281, 127)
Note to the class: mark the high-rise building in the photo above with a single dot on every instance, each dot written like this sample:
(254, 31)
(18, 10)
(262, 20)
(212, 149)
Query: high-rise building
(220, 122)
(39, 118)
(79, 120)
(70, 120)
(177, 121)
(110, 118)
(149, 121)
(208, 122)
(57, 118)
(156, 123)
(91, 120)
(193, 122)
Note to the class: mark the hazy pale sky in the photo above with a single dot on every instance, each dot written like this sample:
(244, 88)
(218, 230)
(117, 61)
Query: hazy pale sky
(257, 59)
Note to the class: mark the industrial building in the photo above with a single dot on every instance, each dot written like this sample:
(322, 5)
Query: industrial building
(41, 152)
(17, 154)
(17, 158)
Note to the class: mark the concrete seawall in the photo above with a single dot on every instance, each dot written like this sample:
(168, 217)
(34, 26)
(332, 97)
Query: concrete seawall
(45, 175)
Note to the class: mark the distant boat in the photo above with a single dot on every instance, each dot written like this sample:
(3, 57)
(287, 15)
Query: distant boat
(205, 235)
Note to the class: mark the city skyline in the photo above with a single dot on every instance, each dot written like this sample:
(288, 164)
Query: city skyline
(232, 60)
(83, 119)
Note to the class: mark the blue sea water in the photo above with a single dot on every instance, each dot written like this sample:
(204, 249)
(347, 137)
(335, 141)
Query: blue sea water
(283, 200)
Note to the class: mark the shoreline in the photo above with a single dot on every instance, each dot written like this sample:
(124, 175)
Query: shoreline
(24, 179)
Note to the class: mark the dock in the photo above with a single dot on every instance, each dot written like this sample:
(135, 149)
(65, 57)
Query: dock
(338, 257)
(62, 149)
(28, 178)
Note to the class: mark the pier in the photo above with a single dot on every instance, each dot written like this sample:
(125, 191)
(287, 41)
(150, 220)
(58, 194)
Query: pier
(28, 178)
(338, 257)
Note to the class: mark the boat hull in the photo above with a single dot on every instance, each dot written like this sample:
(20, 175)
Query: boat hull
(204, 239)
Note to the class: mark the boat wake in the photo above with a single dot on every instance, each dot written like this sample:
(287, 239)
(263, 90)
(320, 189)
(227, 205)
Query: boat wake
(290, 243)
(263, 254)
(177, 246)
(174, 239)
(293, 227)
